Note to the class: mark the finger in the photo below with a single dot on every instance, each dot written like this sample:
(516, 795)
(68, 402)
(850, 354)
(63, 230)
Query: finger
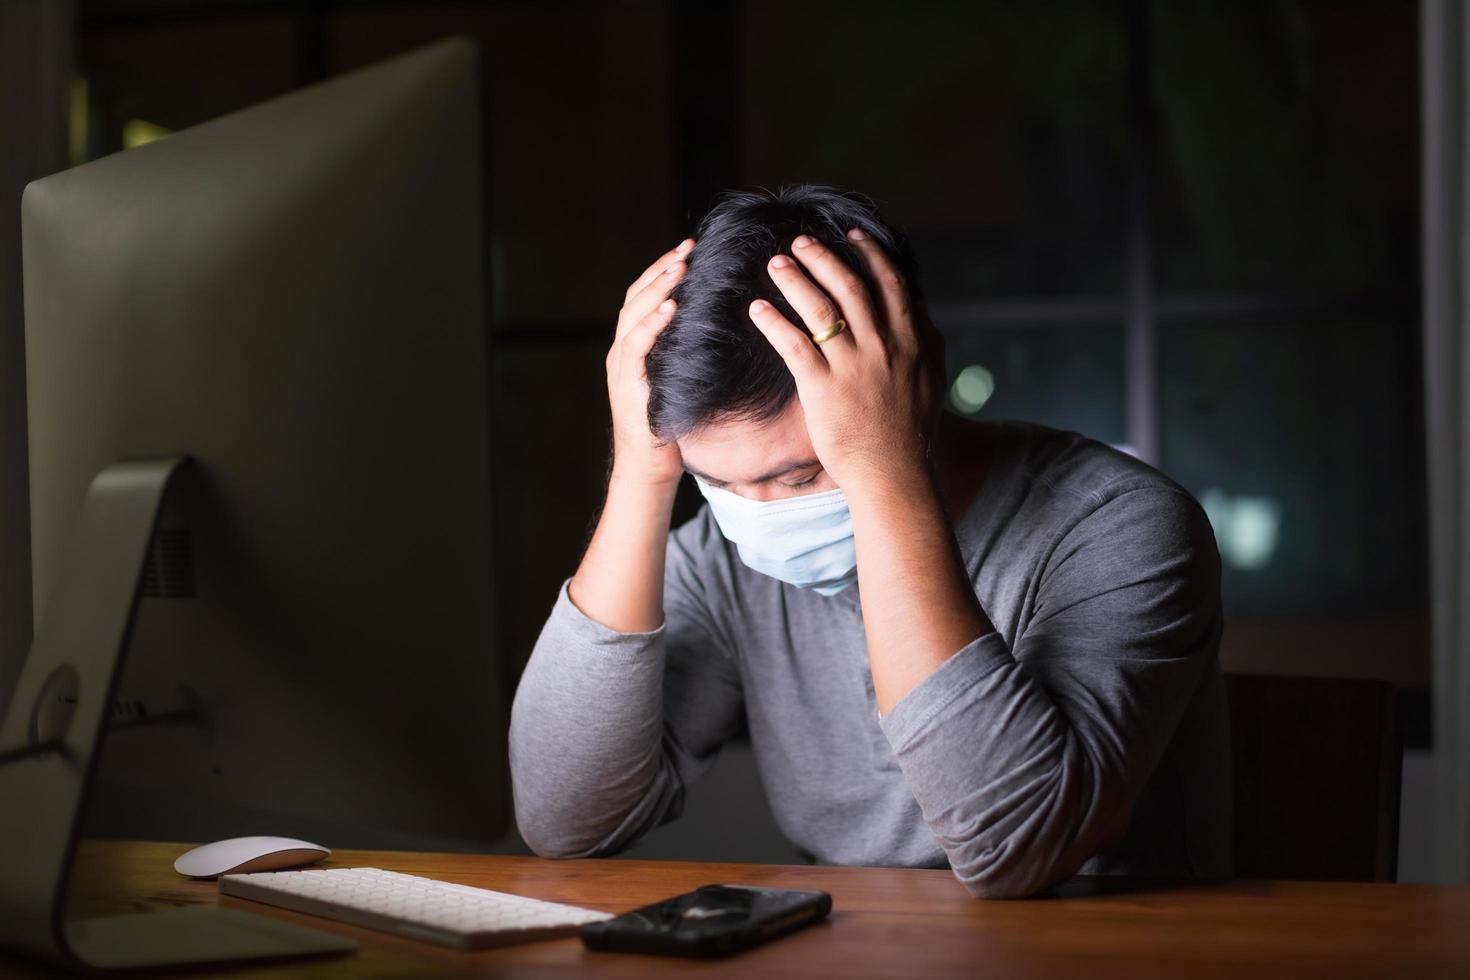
(792, 342)
(652, 295)
(841, 283)
(640, 338)
(893, 291)
(659, 265)
(815, 307)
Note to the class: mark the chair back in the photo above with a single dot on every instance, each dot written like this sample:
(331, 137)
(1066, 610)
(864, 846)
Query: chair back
(1317, 764)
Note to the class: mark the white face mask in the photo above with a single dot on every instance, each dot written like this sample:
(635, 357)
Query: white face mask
(806, 541)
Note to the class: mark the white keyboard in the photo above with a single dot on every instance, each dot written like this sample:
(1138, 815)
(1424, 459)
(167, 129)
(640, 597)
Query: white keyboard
(419, 908)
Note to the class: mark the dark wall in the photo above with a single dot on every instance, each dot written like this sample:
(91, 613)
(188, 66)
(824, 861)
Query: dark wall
(1273, 151)
(1230, 190)
(35, 65)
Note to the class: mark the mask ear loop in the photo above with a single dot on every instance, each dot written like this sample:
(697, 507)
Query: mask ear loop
(931, 348)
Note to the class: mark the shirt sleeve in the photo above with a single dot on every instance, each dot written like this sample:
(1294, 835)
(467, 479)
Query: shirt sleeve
(608, 728)
(1027, 761)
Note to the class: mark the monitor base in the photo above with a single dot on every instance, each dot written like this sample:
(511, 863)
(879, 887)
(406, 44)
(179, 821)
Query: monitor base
(191, 935)
(48, 749)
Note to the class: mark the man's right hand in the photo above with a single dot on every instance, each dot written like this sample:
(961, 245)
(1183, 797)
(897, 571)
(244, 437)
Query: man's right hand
(640, 456)
(620, 582)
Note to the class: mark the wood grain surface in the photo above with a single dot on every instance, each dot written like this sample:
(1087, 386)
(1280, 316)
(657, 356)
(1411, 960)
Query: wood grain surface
(885, 922)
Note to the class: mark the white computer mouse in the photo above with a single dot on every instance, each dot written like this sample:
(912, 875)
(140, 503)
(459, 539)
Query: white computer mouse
(240, 855)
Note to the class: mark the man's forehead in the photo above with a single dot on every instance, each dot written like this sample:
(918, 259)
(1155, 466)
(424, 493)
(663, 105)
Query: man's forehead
(743, 451)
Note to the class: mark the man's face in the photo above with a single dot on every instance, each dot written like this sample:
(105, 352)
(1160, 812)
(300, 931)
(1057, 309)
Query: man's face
(768, 460)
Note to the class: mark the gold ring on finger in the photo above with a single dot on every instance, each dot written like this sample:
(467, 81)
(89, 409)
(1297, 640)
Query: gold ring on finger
(830, 332)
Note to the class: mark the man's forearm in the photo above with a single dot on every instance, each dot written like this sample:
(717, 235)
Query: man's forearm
(918, 606)
(585, 735)
(621, 578)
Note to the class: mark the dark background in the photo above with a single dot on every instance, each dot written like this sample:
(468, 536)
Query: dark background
(1191, 228)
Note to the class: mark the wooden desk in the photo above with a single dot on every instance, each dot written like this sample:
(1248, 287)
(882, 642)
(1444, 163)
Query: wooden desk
(885, 922)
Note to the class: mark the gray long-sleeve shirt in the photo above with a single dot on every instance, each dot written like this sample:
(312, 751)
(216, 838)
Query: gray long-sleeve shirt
(1087, 732)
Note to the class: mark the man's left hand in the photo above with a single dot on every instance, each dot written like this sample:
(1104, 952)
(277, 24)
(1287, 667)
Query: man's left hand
(870, 392)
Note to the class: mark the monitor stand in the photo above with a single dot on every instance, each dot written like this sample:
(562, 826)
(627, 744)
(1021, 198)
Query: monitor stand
(48, 749)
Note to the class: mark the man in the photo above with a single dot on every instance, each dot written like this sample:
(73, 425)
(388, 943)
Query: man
(987, 645)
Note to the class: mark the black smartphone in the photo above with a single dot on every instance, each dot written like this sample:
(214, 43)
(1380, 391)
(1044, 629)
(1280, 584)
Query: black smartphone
(716, 920)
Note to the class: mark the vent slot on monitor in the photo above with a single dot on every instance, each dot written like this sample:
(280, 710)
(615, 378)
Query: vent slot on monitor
(168, 572)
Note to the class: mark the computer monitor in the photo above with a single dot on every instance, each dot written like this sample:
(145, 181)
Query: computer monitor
(293, 296)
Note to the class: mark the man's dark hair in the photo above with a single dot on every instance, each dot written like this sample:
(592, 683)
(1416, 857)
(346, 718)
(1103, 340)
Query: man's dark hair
(711, 364)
